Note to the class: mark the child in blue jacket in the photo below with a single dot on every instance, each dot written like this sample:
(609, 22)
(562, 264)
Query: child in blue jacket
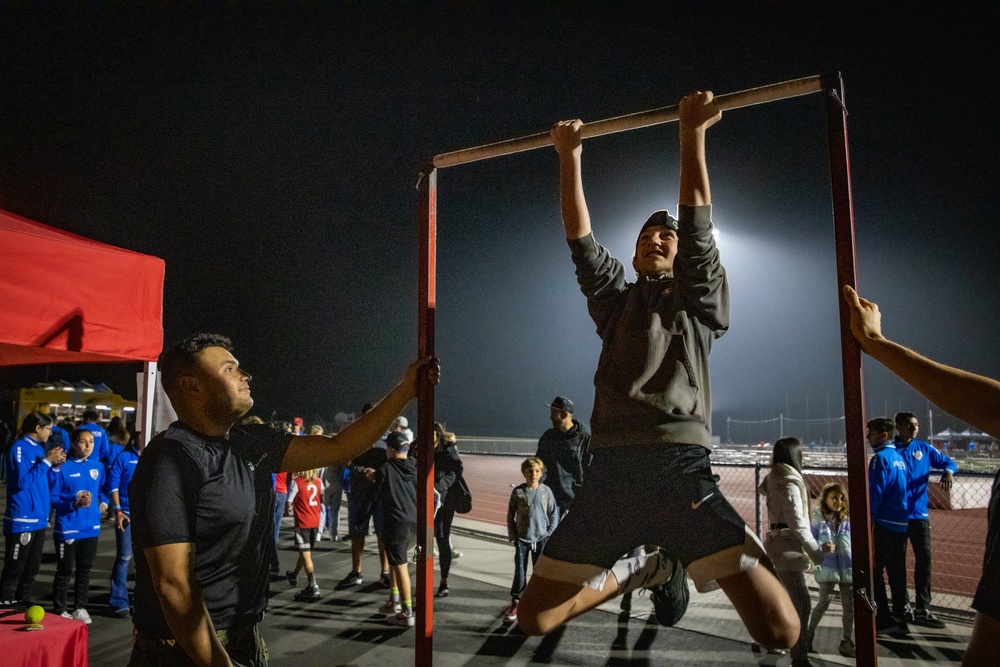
(78, 522)
(831, 523)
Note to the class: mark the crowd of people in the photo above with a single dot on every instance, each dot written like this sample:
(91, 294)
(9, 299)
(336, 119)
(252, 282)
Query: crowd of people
(802, 538)
(206, 497)
(75, 475)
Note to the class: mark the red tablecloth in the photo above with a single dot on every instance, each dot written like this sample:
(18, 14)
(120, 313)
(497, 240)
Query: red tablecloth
(62, 642)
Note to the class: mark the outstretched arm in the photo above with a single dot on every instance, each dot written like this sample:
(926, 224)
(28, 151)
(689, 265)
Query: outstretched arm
(576, 218)
(318, 451)
(697, 113)
(970, 397)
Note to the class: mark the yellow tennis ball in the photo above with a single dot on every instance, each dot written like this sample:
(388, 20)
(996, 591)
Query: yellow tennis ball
(35, 614)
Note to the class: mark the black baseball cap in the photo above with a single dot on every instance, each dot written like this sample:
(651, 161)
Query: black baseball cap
(397, 441)
(560, 403)
(658, 218)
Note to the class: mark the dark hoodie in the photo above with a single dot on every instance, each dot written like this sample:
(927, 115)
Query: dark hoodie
(651, 384)
(565, 456)
(396, 485)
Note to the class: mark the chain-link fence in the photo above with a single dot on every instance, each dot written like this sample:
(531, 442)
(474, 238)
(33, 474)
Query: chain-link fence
(958, 518)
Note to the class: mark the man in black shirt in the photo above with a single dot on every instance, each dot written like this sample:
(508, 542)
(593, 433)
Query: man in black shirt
(201, 506)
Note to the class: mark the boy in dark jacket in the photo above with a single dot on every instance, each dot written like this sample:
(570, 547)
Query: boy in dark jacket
(396, 488)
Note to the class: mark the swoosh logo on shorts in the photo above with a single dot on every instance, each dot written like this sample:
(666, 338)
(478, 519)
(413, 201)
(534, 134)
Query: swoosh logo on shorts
(696, 505)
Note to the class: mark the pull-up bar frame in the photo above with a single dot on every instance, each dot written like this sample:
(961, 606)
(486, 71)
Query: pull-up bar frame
(843, 214)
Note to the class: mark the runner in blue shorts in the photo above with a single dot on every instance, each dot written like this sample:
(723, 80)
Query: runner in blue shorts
(652, 511)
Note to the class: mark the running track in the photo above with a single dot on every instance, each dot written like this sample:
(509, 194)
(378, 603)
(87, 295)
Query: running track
(958, 537)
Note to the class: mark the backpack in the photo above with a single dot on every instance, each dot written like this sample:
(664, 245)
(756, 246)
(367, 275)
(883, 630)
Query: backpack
(459, 496)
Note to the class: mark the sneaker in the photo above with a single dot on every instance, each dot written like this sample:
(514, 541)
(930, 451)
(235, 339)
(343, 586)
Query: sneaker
(893, 627)
(82, 615)
(908, 613)
(292, 576)
(120, 613)
(670, 600)
(309, 593)
(511, 614)
(384, 580)
(846, 648)
(402, 620)
(927, 619)
(455, 553)
(391, 607)
(66, 614)
(352, 579)
(442, 592)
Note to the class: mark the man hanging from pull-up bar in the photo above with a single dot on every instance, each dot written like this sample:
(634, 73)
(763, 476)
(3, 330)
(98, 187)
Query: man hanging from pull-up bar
(651, 423)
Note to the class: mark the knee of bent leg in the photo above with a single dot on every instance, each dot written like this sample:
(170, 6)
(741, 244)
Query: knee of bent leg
(779, 628)
(532, 625)
(531, 621)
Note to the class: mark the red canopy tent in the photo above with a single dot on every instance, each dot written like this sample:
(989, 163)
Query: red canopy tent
(68, 299)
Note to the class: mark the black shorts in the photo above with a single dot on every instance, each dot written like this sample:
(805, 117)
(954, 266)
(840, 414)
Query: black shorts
(663, 495)
(396, 548)
(305, 538)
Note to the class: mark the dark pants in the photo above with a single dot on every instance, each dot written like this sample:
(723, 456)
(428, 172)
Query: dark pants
(78, 555)
(245, 646)
(442, 536)
(919, 534)
(521, 551)
(22, 557)
(890, 555)
(279, 511)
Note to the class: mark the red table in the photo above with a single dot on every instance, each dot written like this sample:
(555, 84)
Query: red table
(62, 642)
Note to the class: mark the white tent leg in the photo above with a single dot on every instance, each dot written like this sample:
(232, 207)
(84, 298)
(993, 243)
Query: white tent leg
(146, 409)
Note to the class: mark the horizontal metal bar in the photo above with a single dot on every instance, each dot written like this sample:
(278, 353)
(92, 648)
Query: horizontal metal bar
(745, 98)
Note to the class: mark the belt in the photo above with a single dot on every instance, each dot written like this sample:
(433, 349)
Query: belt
(778, 526)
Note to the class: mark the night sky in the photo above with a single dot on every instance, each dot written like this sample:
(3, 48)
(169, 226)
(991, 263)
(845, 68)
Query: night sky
(270, 157)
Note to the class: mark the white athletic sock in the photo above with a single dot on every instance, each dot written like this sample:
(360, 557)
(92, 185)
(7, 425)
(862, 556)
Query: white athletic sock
(643, 570)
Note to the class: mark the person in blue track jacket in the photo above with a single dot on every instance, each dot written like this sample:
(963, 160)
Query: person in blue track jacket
(77, 492)
(27, 515)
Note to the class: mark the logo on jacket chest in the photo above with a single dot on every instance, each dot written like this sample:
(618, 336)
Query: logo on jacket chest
(94, 474)
(918, 455)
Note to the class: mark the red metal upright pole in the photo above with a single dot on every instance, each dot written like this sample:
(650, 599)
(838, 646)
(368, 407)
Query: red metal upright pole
(424, 607)
(854, 416)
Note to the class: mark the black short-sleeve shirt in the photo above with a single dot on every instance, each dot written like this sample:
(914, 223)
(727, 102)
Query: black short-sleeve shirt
(217, 494)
